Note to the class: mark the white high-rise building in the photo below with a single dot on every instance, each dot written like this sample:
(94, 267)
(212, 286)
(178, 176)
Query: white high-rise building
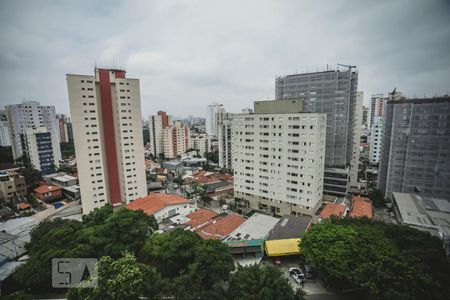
(156, 124)
(225, 144)
(376, 137)
(215, 114)
(200, 142)
(176, 139)
(30, 114)
(107, 129)
(279, 157)
(377, 103)
(41, 147)
(5, 140)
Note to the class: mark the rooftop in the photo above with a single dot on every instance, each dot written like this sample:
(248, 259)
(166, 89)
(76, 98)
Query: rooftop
(200, 217)
(155, 202)
(65, 178)
(290, 227)
(257, 226)
(362, 207)
(332, 209)
(45, 188)
(220, 227)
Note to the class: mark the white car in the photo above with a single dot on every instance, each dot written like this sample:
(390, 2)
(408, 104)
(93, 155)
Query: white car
(297, 275)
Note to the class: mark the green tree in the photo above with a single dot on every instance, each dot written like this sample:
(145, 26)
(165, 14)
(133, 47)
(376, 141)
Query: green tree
(257, 282)
(171, 252)
(51, 239)
(124, 230)
(98, 216)
(377, 198)
(32, 177)
(124, 278)
(65, 168)
(212, 156)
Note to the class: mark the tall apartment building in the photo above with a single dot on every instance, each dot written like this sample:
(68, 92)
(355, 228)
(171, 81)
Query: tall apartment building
(156, 124)
(63, 122)
(279, 157)
(365, 117)
(377, 103)
(5, 140)
(176, 139)
(376, 137)
(41, 146)
(215, 114)
(333, 92)
(354, 163)
(415, 151)
(200, 142)
(226, 144)
(30, 114)
(106, 119)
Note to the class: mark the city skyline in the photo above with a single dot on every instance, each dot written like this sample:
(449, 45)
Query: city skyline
(184, 66)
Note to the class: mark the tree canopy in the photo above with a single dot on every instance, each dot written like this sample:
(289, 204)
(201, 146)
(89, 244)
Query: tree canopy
(389, 261)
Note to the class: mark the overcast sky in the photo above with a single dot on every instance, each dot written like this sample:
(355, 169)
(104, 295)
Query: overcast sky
(190, 53)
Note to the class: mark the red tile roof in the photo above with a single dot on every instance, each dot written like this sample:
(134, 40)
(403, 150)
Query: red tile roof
(200, 217)
(362, 206)
(45, 188)
(155, 202)
(23, 205)
(221, 227)
(332, 209)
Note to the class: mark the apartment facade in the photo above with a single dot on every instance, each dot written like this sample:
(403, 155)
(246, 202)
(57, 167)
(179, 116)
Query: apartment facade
(279, 158)
(30, 114)
(333, 92)
(415, 151)
(156, 125)
(226, 144)
(215, 114)
(376, 136)
(12, 186)
(176, 139)
(5, 140)
(377, 102)
(42, 146)
(63, 120)
(107, 127)
(201, 143)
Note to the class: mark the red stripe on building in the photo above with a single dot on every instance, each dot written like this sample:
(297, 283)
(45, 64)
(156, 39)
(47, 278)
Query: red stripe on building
(112, 170)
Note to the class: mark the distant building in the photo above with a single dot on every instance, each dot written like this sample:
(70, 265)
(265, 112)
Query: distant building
(43, 148)
(201, 143)
(215, 114)
(12, 187)
(225, 144)
(163, 206)
(365, 117)
(376, 137)
(176, 139)
(107, 126)
(156, 125)
(63, 122)
(5, 140)
(415, 150)
(31, 114)
(279, 155)
(333, 92)
(377, 103)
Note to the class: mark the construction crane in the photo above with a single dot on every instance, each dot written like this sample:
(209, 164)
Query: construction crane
(347, 66)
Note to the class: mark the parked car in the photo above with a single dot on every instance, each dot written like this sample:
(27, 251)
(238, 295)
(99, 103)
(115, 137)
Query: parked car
(307, 270)
(297, 275)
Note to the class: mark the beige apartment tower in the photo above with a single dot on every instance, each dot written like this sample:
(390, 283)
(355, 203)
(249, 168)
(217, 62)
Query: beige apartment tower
(279, 158)
(107, 131)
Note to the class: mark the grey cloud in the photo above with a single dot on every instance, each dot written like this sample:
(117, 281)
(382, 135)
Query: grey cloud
(189, 53)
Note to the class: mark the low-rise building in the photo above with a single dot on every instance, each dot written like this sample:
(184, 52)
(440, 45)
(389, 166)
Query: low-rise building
(163, 206)
(12, 185)
(361, 207)
(424, 213)
(47, 192)
(65, 180)
(199, 218)
(285, 237)
(220, 227)
(333, 209)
